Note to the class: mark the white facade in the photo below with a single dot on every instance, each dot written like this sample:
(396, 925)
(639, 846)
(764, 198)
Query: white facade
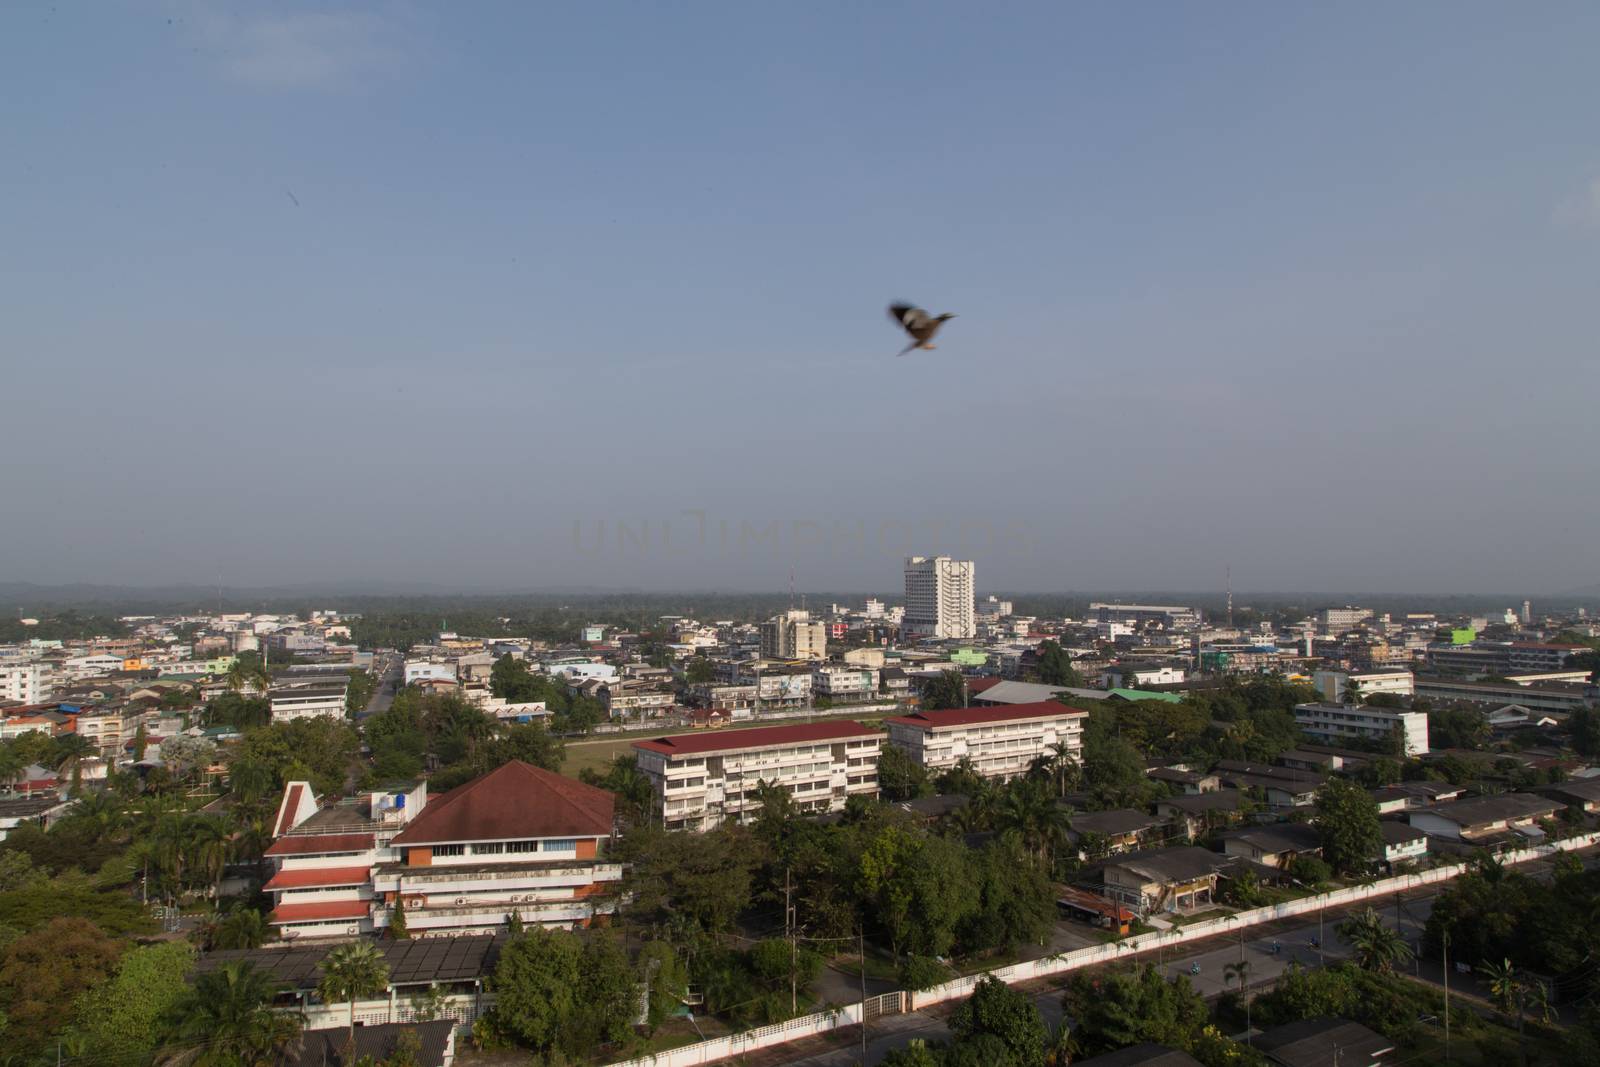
(794, 636)
(939, 598)
(307, 702)
(1001, 742)
(1333, 684)
(1337, 721)
(844, 683)
(24, 682)
(429, 670)
(699, 781)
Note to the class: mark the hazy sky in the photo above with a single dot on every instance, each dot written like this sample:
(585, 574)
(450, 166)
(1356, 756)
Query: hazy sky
(322, 293)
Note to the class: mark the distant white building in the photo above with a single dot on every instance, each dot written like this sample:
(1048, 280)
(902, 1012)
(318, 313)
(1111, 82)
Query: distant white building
(1172, 616)
(1001, 742)
(321, 700)
(427, 670)
(700, 780)
(1338, 620)
(1334, 722)
(793, 635)
(939, 598)
(24, 682)
(1333, 684)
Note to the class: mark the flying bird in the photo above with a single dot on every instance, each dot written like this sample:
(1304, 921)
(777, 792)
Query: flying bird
(292, 197)
(919, 324)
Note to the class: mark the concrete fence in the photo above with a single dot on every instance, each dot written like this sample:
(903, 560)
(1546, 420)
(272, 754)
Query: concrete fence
(723, 1047)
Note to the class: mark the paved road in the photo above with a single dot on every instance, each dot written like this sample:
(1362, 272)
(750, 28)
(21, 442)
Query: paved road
(1295, 937)
(390, 671)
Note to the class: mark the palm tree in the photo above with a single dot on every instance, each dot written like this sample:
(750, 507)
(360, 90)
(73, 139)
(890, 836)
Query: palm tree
(71, 751)
(227, 1020)
(1374, 945)
(240, 928)
(350, 972)
(210, 843)
(1068, 772)
(1033, 813)
(12, 764)
(1239, 972)
(1508, 988)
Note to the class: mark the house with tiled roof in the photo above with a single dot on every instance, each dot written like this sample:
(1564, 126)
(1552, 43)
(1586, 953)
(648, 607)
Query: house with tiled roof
(519, 839)
(699, 780)
(1000, 742)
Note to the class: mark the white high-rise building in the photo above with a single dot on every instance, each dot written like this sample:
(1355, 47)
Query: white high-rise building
(24, 682)
(939, 598)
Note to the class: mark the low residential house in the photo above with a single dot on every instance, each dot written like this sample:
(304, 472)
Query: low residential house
(1097, 834)
(1405, 796)
(1200, 813)
(1323, 758)
(1280, 787)
(1402, 842)
(1277, 845)
(41, 810)
(1513, 717)
(1165, 879)
(1580, 795)
(894, 684)
(1185, 779)
(374, 1043)
(1486, 820)
(1324, 1042)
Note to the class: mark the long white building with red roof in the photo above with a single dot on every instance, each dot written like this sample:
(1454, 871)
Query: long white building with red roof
(699, 780)
(1000, 741)
(520, 840)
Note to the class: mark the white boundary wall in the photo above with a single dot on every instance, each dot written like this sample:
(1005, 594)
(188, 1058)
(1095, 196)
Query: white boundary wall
(720, 1048)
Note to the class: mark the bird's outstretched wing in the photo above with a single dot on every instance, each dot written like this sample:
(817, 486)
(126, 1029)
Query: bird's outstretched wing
(910, 318)
(908, 348)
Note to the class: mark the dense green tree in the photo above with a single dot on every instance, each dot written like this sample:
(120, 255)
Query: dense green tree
(1055, 665)
(900, 777)
(948, 690)
(1119, 1008)
(1008, 1015)
(699, 671)
(559, 992)
(227, 1020)
(703, 880)
(623, 779)
(42, 974)
(1458, 728)
(962, 780)
(1583, 725)
(319, 749)
(1374, 946)
(1347, 822)
(122, 1021)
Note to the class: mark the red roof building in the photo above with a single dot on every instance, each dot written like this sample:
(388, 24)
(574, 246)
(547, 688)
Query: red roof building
(520, 840)
(699, 780)
(997, 742)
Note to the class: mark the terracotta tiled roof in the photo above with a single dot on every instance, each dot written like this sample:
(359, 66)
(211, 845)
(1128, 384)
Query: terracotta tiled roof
(759, 737)
(327, 909)
(314, 877)
(287, 809)
(978, 685)
(512, 802)
(931, 720)
(304, 844)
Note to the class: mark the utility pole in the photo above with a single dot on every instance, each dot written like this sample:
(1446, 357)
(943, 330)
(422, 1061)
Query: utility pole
(794, 951)
(862, 934)
(1447, 996)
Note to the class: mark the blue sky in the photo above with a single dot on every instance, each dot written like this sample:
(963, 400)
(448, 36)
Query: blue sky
(361, 293)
